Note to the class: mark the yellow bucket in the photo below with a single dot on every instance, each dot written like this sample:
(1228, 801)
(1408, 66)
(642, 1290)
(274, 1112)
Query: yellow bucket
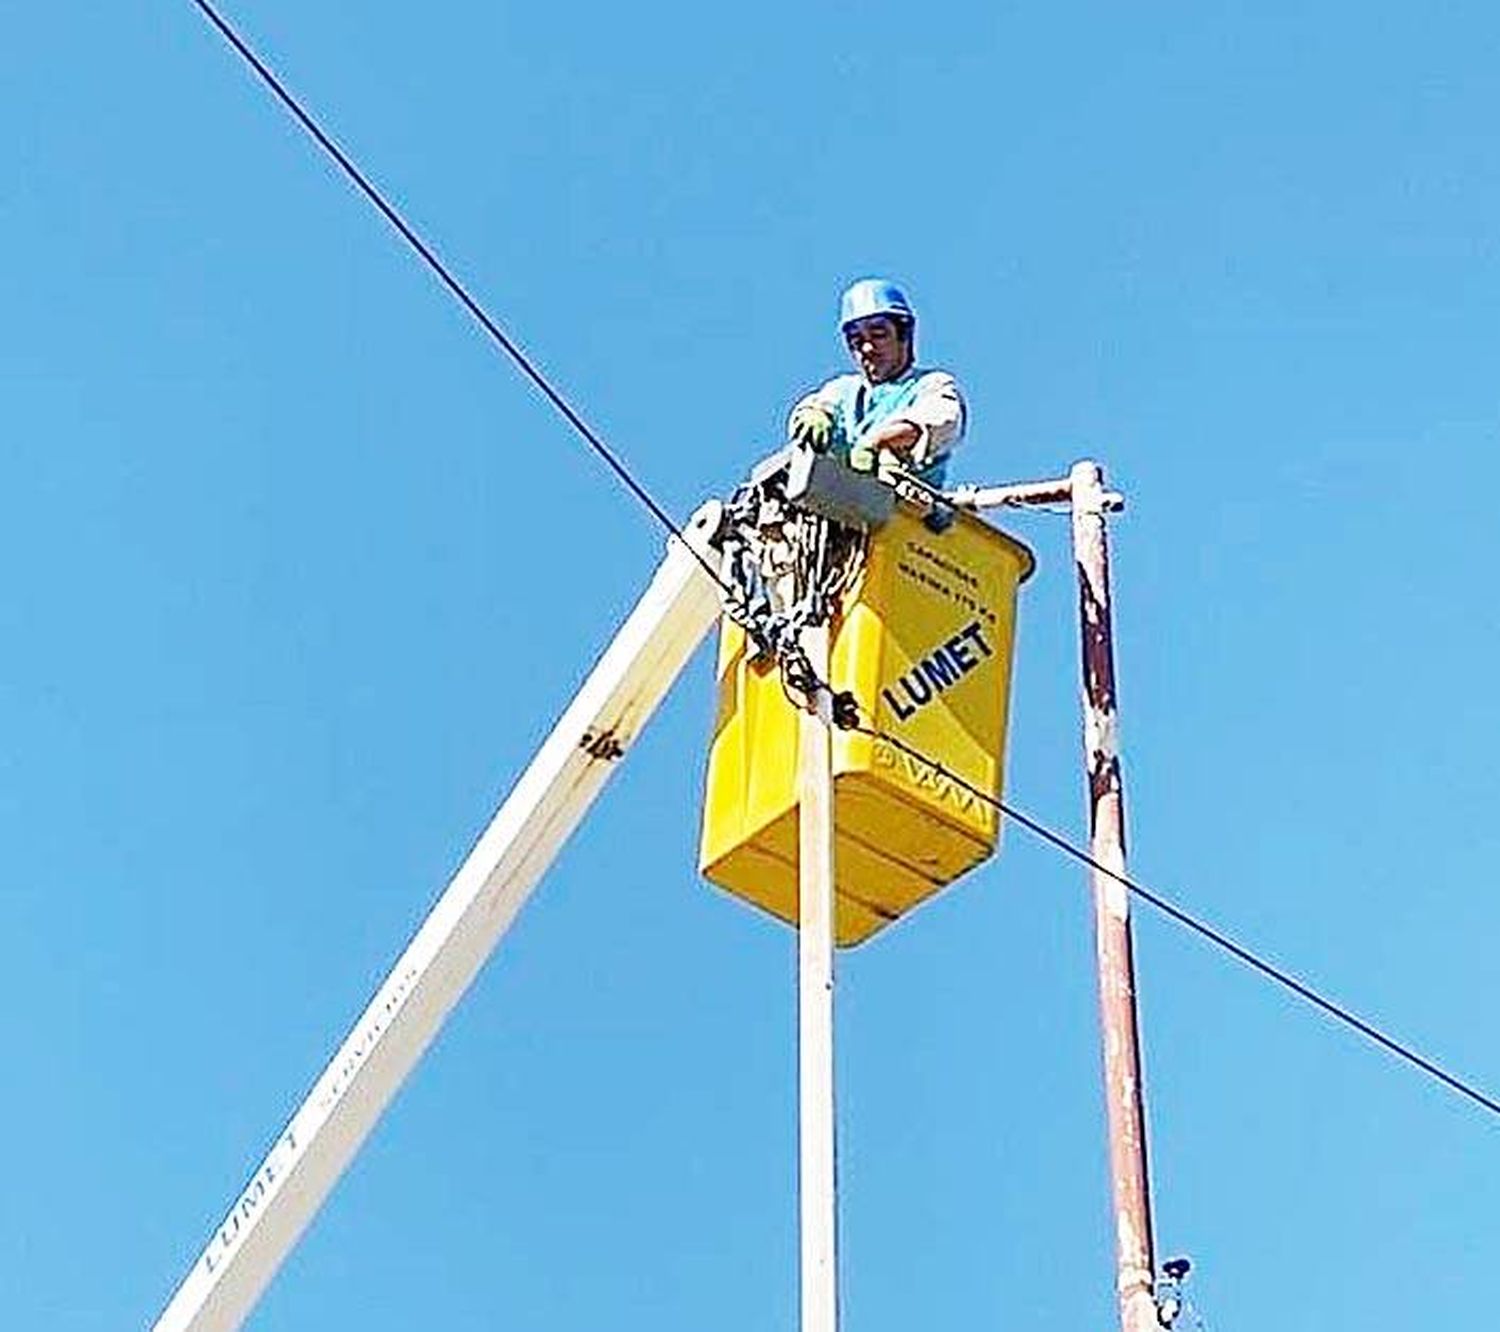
(925, 645)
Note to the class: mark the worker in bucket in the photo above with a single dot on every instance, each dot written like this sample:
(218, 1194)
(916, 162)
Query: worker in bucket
(892, 415)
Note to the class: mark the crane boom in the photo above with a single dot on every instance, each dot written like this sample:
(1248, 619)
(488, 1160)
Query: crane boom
(546, 804)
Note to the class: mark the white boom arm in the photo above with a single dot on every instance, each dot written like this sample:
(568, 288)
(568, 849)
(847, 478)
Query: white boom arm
(546, 804)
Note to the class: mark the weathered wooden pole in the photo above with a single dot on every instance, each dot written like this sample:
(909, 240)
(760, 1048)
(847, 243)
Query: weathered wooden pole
(1135, 1261)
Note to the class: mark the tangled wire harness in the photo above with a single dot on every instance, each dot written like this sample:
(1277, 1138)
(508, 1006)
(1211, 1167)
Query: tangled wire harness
(789, 570)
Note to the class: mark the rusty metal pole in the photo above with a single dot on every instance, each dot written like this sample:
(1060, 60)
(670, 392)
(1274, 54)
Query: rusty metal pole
(816, 1175)
(1135, 1258)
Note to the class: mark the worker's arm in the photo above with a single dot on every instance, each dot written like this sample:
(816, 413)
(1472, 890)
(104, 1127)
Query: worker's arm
(813, 416)
(826, 395)
(928, 428)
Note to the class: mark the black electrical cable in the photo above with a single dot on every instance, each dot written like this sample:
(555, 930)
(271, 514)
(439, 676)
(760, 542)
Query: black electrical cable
(1216, 937)
(454, 286)
(622, 473)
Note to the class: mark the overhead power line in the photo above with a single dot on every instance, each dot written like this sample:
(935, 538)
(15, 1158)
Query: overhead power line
(445, 275)
(622, 473)
(1216, 937)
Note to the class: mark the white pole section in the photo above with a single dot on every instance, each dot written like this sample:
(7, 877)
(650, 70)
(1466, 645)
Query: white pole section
(817, 1181)
(409, 1008)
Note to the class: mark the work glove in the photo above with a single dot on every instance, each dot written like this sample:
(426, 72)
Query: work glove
(813, 426)
(862, 457)
(889, 466)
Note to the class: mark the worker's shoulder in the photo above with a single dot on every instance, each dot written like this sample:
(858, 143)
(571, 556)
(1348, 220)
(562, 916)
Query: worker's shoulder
(841, 384)
(831, 392)
(935, 377)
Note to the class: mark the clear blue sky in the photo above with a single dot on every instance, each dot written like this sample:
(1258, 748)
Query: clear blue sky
(298, 572)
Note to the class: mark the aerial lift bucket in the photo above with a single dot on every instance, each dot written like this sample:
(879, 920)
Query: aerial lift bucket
(924, 643)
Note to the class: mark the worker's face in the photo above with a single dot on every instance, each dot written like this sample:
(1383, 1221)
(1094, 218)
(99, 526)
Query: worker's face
(880, 347)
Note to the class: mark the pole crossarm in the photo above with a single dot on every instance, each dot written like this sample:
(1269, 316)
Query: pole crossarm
(1024, 495)
(546, 804)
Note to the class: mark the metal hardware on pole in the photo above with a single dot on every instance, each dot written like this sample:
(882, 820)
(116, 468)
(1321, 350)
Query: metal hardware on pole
(816, 1176)
(1024, 495)
(1124, 1103)
(1014, 496)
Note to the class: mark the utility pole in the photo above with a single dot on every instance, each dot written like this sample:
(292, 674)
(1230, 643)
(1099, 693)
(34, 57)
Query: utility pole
(816, 1176)
(1135, 1261)
(1083, 490)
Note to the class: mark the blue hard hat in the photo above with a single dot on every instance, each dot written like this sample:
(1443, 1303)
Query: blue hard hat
(874, 296)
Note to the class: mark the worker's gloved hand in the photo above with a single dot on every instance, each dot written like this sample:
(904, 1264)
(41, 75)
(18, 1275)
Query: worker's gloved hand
(862, 456)
(813, 426)
(889, 466)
